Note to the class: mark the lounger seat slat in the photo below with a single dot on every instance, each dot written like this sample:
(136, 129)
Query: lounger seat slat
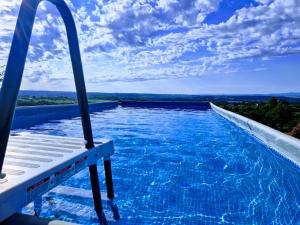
(37, 147)
(28, 158)
(49, 150)
(13, 171)
(21, 164)
(49, 137)
(37, 142)
(38, 153)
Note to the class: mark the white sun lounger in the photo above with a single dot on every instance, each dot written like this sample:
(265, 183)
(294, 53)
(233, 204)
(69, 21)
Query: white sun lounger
(34, 164)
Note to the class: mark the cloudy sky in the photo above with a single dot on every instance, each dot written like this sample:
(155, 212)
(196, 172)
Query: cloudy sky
(165, 46)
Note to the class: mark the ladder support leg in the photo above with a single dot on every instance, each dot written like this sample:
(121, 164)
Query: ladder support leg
(108, 179)
(97, 194)
(110, 188)
(37, 205)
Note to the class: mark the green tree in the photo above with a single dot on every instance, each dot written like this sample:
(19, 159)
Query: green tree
(276, 113)
(273, 102)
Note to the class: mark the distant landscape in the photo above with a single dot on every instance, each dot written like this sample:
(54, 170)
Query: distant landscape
(280, 111)
(278, 114)
(57, 97)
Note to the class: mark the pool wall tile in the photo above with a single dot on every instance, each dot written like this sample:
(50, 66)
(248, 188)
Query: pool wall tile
(29, 116)
(166, 104)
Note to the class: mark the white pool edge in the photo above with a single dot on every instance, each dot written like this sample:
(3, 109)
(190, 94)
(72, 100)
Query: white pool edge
(285, 145)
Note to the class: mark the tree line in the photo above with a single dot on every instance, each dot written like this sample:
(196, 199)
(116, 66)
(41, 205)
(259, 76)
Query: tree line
(278, 114)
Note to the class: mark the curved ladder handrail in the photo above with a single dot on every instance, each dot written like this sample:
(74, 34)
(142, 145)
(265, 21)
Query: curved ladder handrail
(15, 66)
(12, 81)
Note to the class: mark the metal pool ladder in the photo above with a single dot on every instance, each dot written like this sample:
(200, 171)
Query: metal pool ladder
(37, 178)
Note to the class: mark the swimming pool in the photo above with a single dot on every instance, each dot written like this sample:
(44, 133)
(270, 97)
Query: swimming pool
(181, 167)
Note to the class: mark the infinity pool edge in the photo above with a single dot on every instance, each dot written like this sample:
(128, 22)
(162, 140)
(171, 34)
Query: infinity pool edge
(286, 146)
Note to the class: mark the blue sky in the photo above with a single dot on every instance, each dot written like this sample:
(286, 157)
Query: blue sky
(165, 46)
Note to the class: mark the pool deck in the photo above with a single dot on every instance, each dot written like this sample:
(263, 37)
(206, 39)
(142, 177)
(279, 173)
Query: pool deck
(286, 146)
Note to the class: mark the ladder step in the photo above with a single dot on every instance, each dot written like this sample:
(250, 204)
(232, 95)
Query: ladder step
(65, 208)
(78, 192)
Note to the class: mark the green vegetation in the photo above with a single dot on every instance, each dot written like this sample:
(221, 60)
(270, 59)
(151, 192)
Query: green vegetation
(278, 114)
(33, 100)
(59, 100)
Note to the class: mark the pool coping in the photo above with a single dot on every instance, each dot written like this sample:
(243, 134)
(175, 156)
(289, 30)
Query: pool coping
(286, 146)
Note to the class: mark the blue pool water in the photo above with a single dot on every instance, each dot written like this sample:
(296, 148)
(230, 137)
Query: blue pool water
(181, 167)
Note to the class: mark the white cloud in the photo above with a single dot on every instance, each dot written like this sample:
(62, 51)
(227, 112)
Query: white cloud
(147, 39)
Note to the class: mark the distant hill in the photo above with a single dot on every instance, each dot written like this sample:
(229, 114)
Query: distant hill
(290, 97)
(290, 94)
